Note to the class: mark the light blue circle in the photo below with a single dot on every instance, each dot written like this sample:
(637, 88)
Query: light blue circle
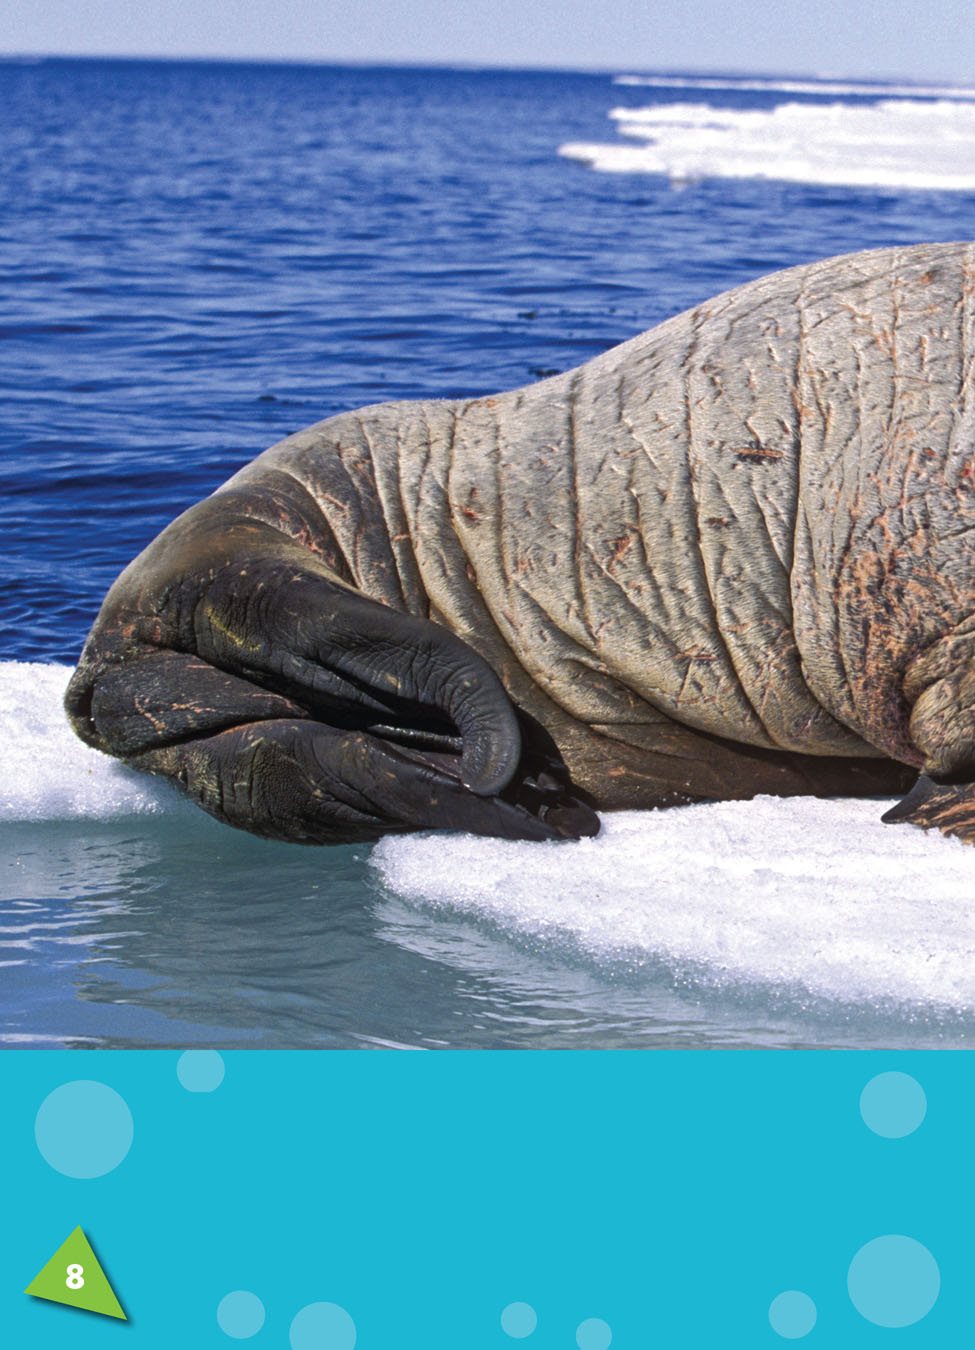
(792, 1314)
(83, 1129)
(519, 1320)
(893, 1281)
(322, 1326)
(200, 1070)
(593, 1334)
(893, 1104)
(240, 1314)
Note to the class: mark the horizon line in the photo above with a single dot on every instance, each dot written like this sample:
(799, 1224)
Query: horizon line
(403, 63)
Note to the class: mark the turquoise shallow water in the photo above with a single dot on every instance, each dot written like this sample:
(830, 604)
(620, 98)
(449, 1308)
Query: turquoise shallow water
(199, 259)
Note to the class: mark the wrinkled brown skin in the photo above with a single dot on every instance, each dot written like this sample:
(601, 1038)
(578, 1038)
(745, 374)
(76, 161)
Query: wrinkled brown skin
(732, 556)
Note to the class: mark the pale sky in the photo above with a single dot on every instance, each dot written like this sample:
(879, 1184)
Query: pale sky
(920, 39)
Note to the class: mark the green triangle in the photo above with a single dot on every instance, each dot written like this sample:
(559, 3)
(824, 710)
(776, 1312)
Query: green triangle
(74, 1277)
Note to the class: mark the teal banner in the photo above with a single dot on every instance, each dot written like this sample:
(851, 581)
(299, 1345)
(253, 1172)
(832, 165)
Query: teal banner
(482, 1199)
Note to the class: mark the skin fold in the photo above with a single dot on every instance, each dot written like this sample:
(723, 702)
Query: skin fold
(732, 556)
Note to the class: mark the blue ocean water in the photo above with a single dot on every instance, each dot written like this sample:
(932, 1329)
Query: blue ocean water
(198, 259)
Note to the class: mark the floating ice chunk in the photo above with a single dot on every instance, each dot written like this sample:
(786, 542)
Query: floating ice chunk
(895, 143)
(794, 893)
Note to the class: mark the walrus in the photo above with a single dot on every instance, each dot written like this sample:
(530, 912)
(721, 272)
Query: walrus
(732, 556)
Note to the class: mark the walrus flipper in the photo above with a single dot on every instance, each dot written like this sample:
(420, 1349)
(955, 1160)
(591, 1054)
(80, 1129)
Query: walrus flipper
(948, 807)
(287, 703)
(939, 687)
(262, 762)
(308, 783)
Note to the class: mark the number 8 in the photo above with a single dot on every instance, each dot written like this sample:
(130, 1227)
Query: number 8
(75, 1274)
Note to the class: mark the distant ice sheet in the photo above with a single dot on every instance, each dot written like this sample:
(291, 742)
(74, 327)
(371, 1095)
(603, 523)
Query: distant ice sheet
(791, 894)
(826, 88)
(893, 143)
(46, 773)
